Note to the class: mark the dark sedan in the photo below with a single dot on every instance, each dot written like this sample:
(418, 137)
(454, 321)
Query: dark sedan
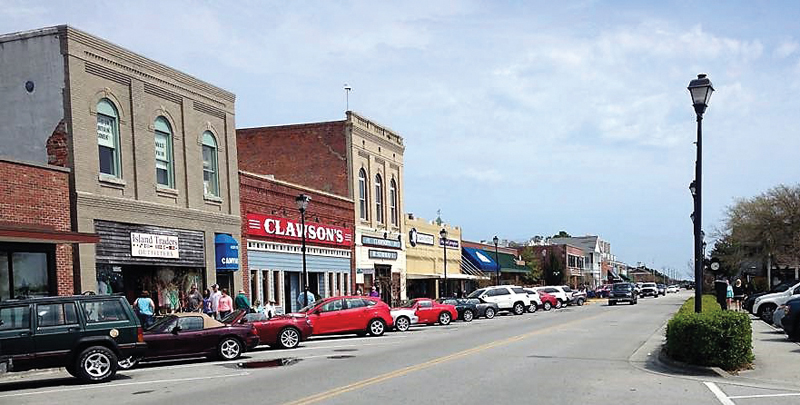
(485, 309)
(466, 310)
(791, 319)
(284, 331)
(194, 334)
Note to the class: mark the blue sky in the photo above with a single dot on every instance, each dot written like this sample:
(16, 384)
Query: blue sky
(570, 116)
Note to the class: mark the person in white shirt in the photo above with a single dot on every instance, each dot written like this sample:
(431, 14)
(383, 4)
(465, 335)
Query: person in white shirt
(215, 296)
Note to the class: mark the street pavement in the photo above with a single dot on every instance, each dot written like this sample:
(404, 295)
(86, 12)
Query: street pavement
(576, 355)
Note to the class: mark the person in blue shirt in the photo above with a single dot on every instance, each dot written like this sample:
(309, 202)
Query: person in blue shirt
(302, 302)
(145, 309)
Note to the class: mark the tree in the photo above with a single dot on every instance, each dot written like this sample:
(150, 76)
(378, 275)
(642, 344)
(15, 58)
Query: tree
(731, 255)
(553, 267)
(534, 273)
(562, 234)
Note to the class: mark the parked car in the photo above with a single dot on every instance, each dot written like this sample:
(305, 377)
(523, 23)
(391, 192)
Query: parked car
(548, 301)
(508, 298)
(602, 291)
(662, 289)
(284, 331)
(622, 292)
(791, 319)
(194, 334)
(536, 300)
(403, 318)
(431, 312)
(359, 315)
(556, 291)
(777, 316)
(86, 334)
(765, 305)
(485, 309)
(575, 297)
(751, 299)
(673, 289)
(466, 311)
(648, 290)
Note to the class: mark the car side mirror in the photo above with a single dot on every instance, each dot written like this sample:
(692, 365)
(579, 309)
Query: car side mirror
(176, 329)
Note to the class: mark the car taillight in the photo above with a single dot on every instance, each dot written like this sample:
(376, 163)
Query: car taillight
(140, 334)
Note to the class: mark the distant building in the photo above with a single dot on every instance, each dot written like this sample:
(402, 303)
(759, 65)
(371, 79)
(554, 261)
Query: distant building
(597, 253)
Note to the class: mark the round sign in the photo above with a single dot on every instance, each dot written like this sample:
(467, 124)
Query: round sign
(412, 236)
(114, 333)
(714, 266)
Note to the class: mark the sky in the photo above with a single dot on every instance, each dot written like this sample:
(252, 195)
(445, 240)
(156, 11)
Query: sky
(520, 118)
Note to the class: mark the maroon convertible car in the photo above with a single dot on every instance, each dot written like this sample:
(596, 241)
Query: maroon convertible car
(284, 331)
(194, 334)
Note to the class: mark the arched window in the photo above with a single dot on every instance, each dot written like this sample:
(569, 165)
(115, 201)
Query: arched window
(393, 201)
(210, 176)
(378, 198)
(163, 142)
(108, 138)
(363, 204)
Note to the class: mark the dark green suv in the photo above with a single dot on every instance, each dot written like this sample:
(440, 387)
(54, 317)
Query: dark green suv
(86, 334)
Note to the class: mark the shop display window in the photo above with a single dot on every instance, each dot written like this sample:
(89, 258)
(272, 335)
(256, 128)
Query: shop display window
(24, 274)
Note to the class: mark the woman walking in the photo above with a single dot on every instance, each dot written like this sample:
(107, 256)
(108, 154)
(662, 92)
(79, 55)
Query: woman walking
(207, 307)
(729, 294)
(738, 294)
(225, 306)
(145, 309)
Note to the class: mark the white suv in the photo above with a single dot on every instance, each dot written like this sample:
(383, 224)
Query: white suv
(507, 297)
(536, 300)
(765, 305)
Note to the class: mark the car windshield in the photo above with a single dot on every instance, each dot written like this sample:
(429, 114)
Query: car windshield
(476, 293)
(622, 287)
(306, 308)
(231, 316)
(408, 304)
(783, 286)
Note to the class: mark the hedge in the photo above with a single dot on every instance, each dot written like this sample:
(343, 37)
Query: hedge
(713, 338)
(709, 305)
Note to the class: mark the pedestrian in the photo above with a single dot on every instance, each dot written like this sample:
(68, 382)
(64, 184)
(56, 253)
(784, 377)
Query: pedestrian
(145, 309)
(242, 302)
(216, 294)
(738, 294)
(207, 303)
(729, 293)
(374, 292)
(194, 300)
(359, 292)
(269, 309)
(225, 306)
(305, 302)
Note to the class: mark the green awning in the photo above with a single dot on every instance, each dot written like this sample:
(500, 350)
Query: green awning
(508, 263)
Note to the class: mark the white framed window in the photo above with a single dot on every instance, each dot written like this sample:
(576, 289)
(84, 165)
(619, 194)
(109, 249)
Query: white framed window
(363, 203)
(379, 198)
(210, 170)
(163, 148)
(108, 138)
(393, 201)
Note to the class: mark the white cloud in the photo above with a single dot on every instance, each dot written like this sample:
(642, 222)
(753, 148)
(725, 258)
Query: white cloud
(786, 49)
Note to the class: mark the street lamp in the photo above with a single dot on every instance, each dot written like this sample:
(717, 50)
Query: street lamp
(700, 89)
(302, 203)
(443, 235)
(496, 258)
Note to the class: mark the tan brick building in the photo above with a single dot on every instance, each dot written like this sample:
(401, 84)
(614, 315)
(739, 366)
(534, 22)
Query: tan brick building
(152, 152)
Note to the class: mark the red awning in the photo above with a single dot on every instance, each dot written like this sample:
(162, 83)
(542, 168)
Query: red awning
(36, 234)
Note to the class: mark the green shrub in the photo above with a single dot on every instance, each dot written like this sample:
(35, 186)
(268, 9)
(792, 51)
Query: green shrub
(713, 338)
(709, 305)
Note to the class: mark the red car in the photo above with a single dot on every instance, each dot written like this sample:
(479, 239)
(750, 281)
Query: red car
(359, 315)
(284, 331)
(430, 312)
(548, 300)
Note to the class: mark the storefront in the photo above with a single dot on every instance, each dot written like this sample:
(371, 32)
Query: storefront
(425, 259)
(381, 263)
(165, 262)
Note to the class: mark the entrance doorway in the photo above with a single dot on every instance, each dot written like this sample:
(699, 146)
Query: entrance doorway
(383, 280)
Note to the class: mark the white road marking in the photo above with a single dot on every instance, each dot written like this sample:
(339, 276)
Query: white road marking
(723, 399)
(797, 394)
(89, 387)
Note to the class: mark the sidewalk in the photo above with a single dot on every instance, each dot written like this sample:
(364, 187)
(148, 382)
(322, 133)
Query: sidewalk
(777, 359)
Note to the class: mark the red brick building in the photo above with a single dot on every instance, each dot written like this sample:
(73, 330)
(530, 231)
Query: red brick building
(271, 237)
(571, 259)
(36, 238)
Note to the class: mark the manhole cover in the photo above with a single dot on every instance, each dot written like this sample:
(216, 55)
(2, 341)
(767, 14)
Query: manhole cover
(288, 361)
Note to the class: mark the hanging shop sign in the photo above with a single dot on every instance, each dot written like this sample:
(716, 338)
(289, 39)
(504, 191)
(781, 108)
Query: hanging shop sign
(381, 242)
(289, 229)
(382, 254)
(419, 238)
(152, 245)
(451, 243)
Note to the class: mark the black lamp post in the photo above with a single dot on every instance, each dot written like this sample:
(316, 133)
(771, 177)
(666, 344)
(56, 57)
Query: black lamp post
(700, 90)
(443, 235)
(496, 258)
(302, 203)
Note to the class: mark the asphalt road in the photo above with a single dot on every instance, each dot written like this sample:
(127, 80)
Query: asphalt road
(594, 353)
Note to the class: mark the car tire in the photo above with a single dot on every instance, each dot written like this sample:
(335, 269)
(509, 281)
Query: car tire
(376, 327)
(289, 338)
(547, 306)
(519, 308)
(631, 302)
(611, 303)
(765, 311)
(96, 364)
(468, 316)
(229, 348)
(580, 302)
(445, 318)
(489, 313)
(128, 363)
(559, 304)
(533, 307)
(402, 323)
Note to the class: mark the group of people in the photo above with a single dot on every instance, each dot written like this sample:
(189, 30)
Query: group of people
(305, 298)
(214, 302)
(734, 295)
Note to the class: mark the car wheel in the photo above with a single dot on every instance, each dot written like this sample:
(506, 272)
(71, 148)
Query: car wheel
(96, 364)
(445, 318)
(519, 309)
(532, 308)
(611, 303)
(547, 305)
(489, 313)
(402, 323)
(580, 302)
(229, 348)
(468, 315)
(631, 302)
(559, 304)
(377, 327)
(289, 338)
(765, 311)
(128, 363)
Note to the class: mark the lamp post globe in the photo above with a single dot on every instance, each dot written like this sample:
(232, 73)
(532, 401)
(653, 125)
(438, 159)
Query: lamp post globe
(302, 204)
(443, 238)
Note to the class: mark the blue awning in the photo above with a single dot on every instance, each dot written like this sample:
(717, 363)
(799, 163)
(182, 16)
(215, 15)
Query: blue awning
(480, 259)
(227, 252)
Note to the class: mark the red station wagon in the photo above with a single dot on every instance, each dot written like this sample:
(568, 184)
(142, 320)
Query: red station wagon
(360, 315)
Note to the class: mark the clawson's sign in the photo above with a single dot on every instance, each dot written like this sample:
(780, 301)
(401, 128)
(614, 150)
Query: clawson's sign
(289, 229)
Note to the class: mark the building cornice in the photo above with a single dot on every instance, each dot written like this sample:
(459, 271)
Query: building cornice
(159, 210)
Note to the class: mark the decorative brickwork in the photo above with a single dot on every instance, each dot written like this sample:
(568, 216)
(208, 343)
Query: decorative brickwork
(58, 146)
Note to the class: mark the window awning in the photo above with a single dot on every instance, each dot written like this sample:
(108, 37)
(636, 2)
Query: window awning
(480, 259)
(227, 252)
(32, 234)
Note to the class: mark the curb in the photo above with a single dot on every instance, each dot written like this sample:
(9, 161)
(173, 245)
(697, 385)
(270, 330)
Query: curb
(12, 376)
(669, 363)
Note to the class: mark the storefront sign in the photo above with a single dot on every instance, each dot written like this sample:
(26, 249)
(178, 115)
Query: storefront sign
(419, 238)
(289, 229)
(105, 131)
(227, 252)
(451, 243)
(381, 242)
(382, 254)
(151, 245)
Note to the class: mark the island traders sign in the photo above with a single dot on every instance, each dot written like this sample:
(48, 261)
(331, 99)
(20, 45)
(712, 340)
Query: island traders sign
(151, 245)
(289, 229)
